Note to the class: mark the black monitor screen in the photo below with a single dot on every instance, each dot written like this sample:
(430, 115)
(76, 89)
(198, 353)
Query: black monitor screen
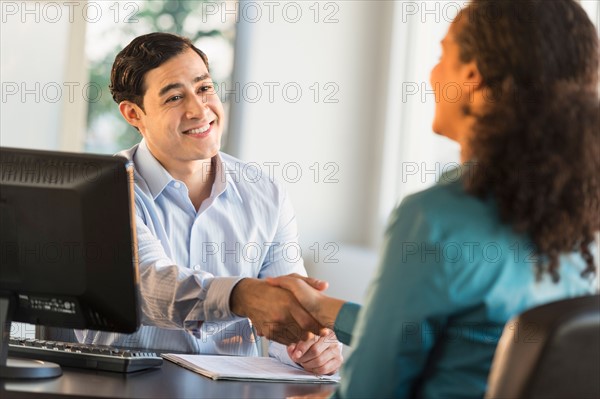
(67, 240)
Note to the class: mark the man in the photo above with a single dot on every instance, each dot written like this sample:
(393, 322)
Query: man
(206, 234)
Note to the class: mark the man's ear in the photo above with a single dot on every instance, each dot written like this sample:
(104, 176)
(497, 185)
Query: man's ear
(132, 113)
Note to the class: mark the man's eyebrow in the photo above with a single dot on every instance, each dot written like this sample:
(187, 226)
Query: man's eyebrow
(172, 86)
(202, 77)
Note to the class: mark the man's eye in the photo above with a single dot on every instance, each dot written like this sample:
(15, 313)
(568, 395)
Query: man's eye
(174, 98)
(206, 88)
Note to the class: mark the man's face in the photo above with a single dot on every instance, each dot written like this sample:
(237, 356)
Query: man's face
(183, 117)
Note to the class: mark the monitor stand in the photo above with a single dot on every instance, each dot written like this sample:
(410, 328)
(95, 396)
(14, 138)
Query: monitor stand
(19, 368)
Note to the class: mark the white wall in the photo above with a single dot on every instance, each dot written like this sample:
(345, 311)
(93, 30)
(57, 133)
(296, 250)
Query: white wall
(30, 118)
(592, 7)
(42, 75)
(338, 135)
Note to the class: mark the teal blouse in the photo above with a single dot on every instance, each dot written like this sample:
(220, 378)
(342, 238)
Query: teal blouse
(451, 275)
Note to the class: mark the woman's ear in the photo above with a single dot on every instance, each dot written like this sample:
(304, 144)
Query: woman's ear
(472, 75)
(473, 86)
(132, 113)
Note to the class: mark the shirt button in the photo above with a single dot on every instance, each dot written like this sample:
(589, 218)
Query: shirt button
(217, 313)
(197, 268)
(176, 184)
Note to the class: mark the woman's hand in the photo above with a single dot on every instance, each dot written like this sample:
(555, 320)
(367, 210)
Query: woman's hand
(308, 292)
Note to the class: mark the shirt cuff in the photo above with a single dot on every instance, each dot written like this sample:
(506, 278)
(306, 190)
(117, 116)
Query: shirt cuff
(344, 322)
(216, 304)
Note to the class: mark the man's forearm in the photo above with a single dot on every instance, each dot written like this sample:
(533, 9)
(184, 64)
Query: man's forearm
(236, 300)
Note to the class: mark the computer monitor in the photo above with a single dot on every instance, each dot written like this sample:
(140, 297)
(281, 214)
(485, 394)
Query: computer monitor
(67, 246)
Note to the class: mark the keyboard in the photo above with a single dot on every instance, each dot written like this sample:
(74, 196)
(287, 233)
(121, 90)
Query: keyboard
(70, 354)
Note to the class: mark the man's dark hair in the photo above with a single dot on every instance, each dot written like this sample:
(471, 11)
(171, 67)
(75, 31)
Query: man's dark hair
(143, 54)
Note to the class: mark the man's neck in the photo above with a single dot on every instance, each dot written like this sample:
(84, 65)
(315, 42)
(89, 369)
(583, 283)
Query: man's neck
(199, 180)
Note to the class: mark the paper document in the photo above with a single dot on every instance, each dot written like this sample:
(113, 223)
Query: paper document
(245, 368)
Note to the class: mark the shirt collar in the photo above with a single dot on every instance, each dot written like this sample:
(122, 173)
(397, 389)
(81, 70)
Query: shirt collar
(158, 178)
(224, 179)
(153, 172)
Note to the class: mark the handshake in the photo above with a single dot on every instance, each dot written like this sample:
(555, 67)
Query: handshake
(286, 309)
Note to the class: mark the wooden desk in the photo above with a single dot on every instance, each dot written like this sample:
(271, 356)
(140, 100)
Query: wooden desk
(168, 382)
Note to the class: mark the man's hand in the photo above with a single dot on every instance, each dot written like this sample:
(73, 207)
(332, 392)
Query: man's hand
(274, 311)
(319, 355)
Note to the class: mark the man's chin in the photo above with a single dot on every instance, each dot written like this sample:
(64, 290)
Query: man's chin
(208, 154)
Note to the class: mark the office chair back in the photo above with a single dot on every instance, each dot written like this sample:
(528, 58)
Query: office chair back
(551, 351)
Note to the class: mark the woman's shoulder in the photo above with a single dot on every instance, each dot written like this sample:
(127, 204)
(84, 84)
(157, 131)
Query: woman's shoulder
(447, 198)
(446, 211)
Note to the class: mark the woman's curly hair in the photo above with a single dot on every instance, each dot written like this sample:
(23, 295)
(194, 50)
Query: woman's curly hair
(537, 142)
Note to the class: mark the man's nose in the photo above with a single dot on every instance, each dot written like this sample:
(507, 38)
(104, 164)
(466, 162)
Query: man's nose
(196, 107)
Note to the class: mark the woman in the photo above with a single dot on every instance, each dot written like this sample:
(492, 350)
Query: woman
(510, 230)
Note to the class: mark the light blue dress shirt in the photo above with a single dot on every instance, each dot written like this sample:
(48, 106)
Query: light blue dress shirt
(451, 275)
(190, 260)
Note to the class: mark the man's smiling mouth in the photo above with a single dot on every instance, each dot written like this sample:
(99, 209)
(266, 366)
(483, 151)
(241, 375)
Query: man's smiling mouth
(199, 130)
